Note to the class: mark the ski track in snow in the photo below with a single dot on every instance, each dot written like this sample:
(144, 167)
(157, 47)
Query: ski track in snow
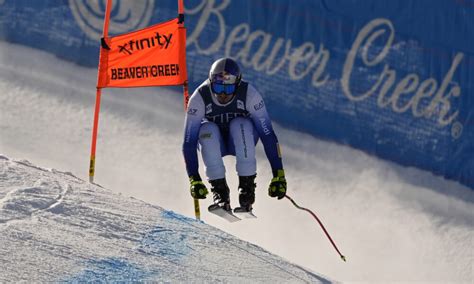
(46, 197)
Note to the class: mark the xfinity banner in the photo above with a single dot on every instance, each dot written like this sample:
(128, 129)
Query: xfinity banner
(393, 78)
(154, 56)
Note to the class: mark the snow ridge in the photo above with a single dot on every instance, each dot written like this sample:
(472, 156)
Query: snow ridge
(56, 227)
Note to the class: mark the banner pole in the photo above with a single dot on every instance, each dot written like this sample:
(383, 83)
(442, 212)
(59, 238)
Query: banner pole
(197, 210)
(105, 33)
(181, 10)
(94, 135)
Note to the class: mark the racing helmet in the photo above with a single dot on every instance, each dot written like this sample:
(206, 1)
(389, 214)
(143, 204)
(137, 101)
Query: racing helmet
(224, 76)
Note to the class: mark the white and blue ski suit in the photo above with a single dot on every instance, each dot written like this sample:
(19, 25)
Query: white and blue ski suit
(230, 129)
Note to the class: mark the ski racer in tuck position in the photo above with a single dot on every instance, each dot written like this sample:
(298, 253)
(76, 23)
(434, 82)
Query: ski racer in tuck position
(227, 116)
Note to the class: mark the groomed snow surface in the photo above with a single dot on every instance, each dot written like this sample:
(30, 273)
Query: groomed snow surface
(57, 227)
(392, 223)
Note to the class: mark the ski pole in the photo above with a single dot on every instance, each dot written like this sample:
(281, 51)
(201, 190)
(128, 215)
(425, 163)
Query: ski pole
(321, 224)
(197, 210)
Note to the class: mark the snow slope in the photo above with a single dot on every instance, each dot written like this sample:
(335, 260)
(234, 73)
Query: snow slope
(392, 223)
(57, 227)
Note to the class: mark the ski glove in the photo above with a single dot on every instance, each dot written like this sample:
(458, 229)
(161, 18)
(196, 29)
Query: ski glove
(277, 186)
(198, 189)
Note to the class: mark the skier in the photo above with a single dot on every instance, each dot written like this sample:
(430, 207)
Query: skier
(227, 116)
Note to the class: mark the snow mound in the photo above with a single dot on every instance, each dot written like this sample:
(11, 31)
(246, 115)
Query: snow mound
(57, 227)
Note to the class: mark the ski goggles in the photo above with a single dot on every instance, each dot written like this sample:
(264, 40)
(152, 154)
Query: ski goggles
(226, 89)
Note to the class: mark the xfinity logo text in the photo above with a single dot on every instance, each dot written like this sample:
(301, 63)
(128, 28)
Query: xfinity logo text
(161, 41)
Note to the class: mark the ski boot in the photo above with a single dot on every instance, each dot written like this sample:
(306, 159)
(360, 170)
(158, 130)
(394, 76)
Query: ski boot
(246, 193)
(220, 190)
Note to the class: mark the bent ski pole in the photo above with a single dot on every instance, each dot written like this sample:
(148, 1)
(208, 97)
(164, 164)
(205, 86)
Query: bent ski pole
(321, 224)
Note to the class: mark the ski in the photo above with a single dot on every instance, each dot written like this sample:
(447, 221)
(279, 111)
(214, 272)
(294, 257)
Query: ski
(221, 212)
(243, 213)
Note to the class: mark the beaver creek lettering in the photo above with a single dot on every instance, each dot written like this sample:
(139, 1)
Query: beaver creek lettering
(140, 72)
